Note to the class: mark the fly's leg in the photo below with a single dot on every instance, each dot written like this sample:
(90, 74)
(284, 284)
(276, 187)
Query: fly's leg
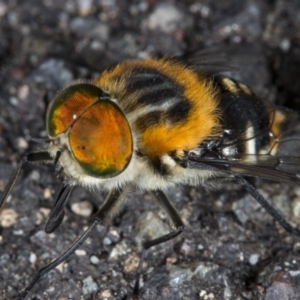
(177, 226)
(34, 157)
(109, 207)
(267, 206)
(58, 210)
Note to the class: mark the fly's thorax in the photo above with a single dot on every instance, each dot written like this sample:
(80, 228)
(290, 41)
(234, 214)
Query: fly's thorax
(169, 107)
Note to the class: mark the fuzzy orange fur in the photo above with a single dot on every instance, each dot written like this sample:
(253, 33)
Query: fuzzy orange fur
(203, 119)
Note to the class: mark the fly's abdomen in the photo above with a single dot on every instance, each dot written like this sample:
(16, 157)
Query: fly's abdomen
(249, 124)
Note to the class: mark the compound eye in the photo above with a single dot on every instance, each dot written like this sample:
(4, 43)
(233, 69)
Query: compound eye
(100, 140)
(69, 104)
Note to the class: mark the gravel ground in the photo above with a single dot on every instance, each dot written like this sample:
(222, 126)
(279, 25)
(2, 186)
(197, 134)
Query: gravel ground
(231, 249)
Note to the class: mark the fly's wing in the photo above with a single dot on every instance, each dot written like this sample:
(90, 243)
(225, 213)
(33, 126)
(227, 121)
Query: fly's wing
(277, 159)
(217, 59)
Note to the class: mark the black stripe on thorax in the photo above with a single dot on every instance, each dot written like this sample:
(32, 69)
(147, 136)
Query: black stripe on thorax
(179, 112)
(144, 77)
(151, 119)
(161, 94)
(153, 87)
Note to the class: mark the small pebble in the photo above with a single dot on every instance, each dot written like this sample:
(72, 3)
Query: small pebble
(23, 92)
(61, 266)
(3, 9)
(18, 232)
(119, 250)
(80, 252)
(22, 143)
(32, 258)
(94, 260)
(85, 7)
(253, 259)
(200, 247)
(294, 273)
(106, 294)
(171, 260)
(89, 286)
(14, 101)
(106, 241)
(186, 247)
(47, 193)
(114, 236)
(35, 175)
(83, 208)
(209, 296)
(8, 217)
(131, 263)
(165, 18)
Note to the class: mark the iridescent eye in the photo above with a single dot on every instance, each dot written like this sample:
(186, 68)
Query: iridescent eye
(99, 137)
(69, 104)
(101, 140)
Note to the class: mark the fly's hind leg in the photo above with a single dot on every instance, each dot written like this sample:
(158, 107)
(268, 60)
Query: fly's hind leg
(177, 227)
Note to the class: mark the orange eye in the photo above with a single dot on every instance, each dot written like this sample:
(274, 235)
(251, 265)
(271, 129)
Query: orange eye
(101, 141)
(69, 104)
